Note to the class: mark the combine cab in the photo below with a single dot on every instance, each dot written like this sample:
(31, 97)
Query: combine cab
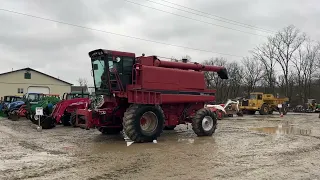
(64, 111)
(142, 95)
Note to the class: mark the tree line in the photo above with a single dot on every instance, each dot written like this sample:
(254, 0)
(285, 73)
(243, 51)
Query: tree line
(287, 64)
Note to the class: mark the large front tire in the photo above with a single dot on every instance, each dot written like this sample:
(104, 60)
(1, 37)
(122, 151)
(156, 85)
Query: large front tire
(264, 109)
(204, 122)
(143, 123)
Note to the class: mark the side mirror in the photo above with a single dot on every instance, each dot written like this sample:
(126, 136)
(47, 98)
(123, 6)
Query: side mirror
(223, 74)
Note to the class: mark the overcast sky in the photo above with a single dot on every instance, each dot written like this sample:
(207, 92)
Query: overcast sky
(62, 51)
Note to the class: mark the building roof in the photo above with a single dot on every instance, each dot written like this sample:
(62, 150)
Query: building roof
(30, 69)
(79, 88)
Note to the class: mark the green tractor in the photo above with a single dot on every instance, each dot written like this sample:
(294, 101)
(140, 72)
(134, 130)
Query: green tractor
(47, 103)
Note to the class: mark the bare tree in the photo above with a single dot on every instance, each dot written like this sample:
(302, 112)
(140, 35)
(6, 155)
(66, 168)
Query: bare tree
(312, 56)
(252, 73)
(235, 71)
(174, 59)
(286, 43)
(305, 64)
(266, 54)
(230, 88)
(83, 82)
(212, 79)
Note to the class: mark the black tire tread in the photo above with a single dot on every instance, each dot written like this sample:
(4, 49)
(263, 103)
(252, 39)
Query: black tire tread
(129, 124)
(262, 110)
(197, 121)
(65, 120)
(73, 119)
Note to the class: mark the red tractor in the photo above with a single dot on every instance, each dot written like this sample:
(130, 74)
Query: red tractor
(64, 111)
(142, 95)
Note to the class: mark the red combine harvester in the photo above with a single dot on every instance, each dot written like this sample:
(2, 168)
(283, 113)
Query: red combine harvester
(142, 95)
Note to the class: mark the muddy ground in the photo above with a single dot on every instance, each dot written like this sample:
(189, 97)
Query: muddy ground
(249, 147)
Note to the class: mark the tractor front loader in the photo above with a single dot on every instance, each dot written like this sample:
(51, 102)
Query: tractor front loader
(142, 95)
(64, 110)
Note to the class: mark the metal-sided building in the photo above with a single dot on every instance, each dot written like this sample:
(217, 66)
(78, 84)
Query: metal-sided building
(28, 80)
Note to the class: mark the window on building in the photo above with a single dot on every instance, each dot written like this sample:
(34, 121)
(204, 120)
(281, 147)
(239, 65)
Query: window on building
(20, 90)
(27, 75)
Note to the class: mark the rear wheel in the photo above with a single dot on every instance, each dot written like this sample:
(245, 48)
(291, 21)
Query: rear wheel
(204, 122)
(34, 118)
(73, 119)
(65, 120)
(264, 109)
(143, 123)
(240, 113)
(284, 109)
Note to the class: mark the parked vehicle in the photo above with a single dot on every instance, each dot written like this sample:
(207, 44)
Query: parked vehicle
(142, 95)
(228, 109)
(264, 103)
(64, 111)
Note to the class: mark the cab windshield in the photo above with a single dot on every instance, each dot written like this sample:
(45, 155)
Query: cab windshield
(253, 96)
(73, 96)
(7, 99)
(35, 97)
(100, 68)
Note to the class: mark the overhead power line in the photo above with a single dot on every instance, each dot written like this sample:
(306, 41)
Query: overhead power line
(226, 19)
(195, 19)
(117, 34)
(214, 18)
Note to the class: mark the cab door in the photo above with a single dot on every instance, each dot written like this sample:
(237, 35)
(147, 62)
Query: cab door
(259, 100)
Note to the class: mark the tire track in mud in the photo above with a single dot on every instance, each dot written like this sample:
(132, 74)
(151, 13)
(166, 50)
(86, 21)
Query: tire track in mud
(27, 145)
(35, 147)
(42, 172)
(132, 168)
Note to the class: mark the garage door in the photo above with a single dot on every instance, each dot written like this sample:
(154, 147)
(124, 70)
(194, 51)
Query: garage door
(38, 89)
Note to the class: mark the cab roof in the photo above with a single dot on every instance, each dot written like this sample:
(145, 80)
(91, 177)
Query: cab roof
(99, 52)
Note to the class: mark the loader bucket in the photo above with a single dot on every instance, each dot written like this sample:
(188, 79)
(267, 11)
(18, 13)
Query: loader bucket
(14, 116)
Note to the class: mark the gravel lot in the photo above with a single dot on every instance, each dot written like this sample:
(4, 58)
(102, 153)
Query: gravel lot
(249, 147)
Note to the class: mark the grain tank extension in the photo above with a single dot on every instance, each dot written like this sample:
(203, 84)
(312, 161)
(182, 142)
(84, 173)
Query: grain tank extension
(141, 95)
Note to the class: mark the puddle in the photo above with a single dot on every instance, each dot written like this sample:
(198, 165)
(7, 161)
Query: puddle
(283, 129)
